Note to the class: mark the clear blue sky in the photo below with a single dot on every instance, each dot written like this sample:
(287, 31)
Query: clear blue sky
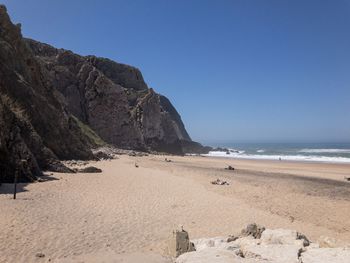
(237, 71)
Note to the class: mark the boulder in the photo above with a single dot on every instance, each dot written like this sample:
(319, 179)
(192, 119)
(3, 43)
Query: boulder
(179, 243)
(280, 237)
(273, 246)
(217, 242)
(273, 253)
(211, 255)
(253, 230)
(246, 241)
(100, 155)
(327, 242)
(326, 255)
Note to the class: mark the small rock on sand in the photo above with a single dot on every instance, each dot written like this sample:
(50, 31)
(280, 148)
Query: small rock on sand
(40, 255)
(100, 155)
(220, 182)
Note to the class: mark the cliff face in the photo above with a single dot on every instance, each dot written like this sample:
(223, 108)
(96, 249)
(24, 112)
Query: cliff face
(35, 125)
(113, 99)
(47, 94)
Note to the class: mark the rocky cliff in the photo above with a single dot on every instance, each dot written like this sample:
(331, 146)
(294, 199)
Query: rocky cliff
(113, 99)
(55, 105)
(35, 126)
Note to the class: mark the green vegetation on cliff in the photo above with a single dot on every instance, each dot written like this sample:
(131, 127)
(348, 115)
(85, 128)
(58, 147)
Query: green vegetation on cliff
(88, 132)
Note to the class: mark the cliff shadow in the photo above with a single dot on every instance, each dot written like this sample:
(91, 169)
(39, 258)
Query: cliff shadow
(8, 188)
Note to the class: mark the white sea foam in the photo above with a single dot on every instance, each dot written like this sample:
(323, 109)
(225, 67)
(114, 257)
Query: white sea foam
(260, 151)
(325, 151)
(300, 157)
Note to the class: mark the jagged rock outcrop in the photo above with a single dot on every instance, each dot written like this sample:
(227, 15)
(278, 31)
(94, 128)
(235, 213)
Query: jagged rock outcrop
(15, 133)
(114, 100)
(35, 126)
(72, 103)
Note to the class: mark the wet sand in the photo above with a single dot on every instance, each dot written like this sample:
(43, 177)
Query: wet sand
(127, 210)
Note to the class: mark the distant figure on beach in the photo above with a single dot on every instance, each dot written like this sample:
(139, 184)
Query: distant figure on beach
(280, 159)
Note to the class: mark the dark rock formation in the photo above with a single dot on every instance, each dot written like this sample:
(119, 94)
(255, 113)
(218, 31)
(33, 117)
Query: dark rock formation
(58, 105)
(114, 100)
(35, 126)
(194, 147)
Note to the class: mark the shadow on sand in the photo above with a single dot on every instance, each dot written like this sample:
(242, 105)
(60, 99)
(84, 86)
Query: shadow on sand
(7, 188)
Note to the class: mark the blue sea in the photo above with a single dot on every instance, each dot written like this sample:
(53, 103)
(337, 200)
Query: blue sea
(309, 152)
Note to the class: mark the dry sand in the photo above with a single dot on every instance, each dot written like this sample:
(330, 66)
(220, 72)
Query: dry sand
(127, 211)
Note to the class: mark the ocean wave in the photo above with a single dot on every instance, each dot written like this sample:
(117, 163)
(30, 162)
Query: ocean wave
(325, 151)
(302, 158)
(260, 151)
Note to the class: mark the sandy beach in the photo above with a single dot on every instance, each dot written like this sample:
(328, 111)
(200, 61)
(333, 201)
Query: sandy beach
(125, 211)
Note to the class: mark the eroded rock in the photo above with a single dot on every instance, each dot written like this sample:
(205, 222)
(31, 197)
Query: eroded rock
(327, 242)
(274, 246)
(211, 255)
(179, 243)
(326, 255)
(253, 230)
(279, 237)
(217, 242)
(272, 253)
